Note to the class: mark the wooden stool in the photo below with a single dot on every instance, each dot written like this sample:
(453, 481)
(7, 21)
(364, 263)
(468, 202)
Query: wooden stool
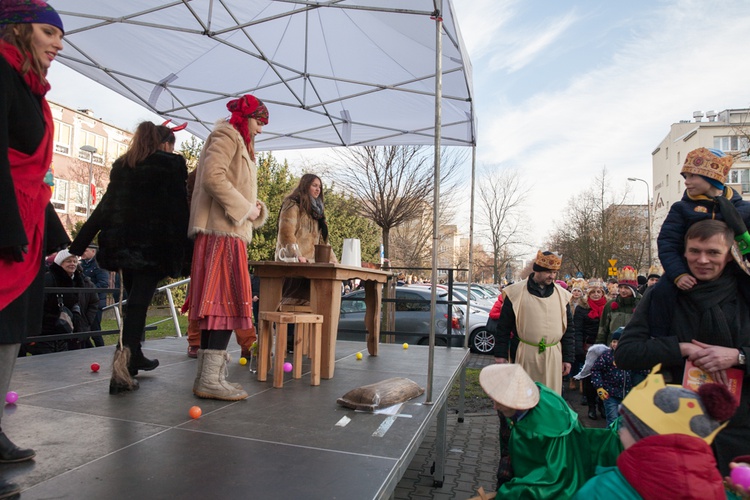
(307, 337)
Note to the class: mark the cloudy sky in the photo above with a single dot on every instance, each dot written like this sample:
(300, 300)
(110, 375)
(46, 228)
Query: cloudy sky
(566, 88)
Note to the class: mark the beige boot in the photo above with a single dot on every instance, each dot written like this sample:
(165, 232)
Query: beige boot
(211, 384)
(198, 371)
(225, 372)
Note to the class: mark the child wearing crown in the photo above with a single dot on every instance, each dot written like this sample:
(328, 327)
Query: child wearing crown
(705, 172)
(666, 431)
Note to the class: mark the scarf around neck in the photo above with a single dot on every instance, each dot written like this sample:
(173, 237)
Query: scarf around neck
(14, 57)
(705, 300)
(597, 306)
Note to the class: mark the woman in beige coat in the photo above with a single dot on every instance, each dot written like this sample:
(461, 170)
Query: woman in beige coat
(302, 221)
(223, 213)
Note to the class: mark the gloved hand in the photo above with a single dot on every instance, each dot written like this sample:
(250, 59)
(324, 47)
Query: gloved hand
(734, 220)
(603, 394)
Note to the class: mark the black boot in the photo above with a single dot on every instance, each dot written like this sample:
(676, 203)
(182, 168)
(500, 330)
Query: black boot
(9, 490)
(140, 362)
(10, 453)
(584, 400)
(592, 412)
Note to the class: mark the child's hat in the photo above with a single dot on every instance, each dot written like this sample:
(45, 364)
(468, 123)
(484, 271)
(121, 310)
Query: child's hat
(711, 164)
(653, 407)
(509, 385)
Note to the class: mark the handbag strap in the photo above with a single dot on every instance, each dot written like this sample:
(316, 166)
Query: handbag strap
(60, 301)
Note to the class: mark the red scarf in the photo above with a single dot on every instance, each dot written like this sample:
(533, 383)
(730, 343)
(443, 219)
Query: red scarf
(32, 194)
(597, 306)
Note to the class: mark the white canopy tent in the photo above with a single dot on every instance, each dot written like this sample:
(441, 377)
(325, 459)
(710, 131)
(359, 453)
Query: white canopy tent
(332, 73)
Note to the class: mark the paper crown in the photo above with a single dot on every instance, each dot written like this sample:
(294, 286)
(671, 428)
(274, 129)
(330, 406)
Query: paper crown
(596, 283)
(670, 409)
(628, 277)
(655, 271)
(548, 260)
(703, 162)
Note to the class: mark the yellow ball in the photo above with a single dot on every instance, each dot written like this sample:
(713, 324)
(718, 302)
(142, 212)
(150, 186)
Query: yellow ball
(406, 346)
(359, 355)
(243, 361)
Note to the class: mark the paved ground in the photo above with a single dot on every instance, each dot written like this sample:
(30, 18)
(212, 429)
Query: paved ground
(472, 453)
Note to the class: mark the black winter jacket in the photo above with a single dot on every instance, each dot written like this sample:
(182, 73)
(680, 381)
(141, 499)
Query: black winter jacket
(681, 216)
(143, 218)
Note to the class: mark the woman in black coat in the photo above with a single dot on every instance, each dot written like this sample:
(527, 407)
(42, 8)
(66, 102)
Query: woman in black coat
(142, 224)
(83, 304)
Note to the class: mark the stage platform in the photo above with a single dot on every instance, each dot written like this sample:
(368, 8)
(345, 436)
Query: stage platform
(278, 443)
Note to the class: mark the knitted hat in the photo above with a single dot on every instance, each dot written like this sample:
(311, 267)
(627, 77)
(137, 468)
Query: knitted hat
(509, 385)
(62, 255)
(711, 164)
(547, 261)
(29, 11)
(642, 280)
(618, 333)
(653, 407)
(628, 278)
(562, 284)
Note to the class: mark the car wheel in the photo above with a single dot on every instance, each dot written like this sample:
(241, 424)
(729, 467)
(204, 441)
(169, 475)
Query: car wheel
(482, 342)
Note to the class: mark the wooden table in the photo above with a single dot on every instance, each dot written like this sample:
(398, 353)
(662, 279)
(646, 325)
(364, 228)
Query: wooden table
(325, 298)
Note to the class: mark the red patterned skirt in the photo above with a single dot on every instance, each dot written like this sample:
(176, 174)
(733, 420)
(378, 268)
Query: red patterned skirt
(220, 290)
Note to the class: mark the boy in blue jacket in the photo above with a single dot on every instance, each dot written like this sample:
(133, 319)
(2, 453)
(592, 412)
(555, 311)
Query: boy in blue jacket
(705, 172)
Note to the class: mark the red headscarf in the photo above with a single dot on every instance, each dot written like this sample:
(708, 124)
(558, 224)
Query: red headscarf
(245, 107)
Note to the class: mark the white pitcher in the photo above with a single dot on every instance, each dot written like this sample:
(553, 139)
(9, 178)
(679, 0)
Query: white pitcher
(351, 255)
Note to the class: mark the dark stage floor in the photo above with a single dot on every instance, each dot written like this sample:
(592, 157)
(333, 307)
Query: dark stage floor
(279, 443)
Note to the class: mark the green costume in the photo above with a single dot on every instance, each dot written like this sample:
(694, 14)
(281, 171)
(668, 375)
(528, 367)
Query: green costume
(607, 484)
(551, 453)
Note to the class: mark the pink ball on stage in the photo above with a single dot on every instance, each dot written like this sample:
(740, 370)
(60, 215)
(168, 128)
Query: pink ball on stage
(287, 367)
(741, 476)
(11, 397)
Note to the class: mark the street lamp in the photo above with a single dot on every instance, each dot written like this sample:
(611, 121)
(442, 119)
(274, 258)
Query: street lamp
(648, 199)
(90, 150)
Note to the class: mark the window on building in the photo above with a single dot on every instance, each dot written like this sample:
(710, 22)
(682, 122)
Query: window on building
(731, 143)
(60, 195)
(80, 197)
(666, 153)
(120, 149)
(678, 158)
(95, 140)
(63, 136)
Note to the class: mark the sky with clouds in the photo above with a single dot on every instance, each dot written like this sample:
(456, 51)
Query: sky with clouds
(564, 89)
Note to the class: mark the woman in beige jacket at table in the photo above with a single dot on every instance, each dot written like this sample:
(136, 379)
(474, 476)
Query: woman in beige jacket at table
(224, 210)
(302, 221)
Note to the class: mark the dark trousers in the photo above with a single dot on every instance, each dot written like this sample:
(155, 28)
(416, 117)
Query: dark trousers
(140, 287)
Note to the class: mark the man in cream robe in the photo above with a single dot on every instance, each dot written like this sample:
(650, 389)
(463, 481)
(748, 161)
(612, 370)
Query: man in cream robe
(536, 311)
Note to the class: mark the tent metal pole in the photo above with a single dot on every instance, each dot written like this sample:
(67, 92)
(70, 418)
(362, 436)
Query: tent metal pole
(436, 195)
(471, 245)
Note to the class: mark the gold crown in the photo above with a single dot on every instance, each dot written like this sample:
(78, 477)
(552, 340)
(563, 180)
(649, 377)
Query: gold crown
(552, 261)
(655, 271)
(628, 276)
(703, 162)
(670, 409)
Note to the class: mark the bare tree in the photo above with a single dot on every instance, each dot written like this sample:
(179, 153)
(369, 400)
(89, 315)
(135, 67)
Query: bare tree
(501, 217)
(597, 227)
(394, 184)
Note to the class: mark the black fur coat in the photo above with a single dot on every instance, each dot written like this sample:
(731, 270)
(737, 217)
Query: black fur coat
(142, 219)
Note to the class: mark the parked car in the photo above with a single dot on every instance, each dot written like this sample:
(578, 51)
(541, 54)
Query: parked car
(481, 341)
(412, 317)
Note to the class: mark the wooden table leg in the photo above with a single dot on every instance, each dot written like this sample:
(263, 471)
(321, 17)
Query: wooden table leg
(325, 299)
(373, 296)
(270, 293)
(279, 355)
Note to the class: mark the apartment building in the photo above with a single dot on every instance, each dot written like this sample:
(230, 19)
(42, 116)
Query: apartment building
(84, 150)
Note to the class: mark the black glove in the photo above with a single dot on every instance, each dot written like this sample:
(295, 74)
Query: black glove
(15, 253)
(734, 220)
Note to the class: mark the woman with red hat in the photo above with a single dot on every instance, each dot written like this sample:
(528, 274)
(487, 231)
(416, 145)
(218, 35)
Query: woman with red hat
(224, 210)
(30, 37)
